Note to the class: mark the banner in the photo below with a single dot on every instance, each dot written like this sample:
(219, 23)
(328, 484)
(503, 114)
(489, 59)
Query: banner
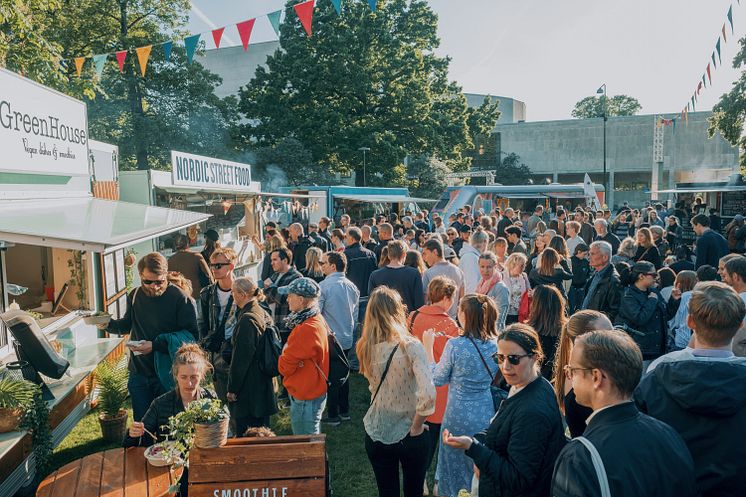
(197, 171)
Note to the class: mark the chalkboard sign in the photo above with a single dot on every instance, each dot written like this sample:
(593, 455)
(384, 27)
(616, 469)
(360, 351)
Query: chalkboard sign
(733, 203)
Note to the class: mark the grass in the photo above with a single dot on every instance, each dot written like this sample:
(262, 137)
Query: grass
(350, 469)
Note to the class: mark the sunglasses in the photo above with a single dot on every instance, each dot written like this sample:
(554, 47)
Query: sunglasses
(513, 359)
(153, 282)
(219, 265)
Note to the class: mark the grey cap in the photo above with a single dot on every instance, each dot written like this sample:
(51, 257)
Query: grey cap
(738, 217)
(304, 287)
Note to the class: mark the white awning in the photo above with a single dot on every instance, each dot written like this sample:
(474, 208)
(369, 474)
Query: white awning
(387, 199)
(88, 223)
(709, 189)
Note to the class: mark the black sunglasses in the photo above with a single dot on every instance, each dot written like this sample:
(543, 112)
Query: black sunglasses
(513, 359)
(153, 282)
(219, 265)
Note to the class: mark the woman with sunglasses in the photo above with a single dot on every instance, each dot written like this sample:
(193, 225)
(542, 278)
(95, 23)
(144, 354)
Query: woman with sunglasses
(516, 454)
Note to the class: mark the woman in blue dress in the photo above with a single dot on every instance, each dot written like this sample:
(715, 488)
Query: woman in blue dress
(467, 367)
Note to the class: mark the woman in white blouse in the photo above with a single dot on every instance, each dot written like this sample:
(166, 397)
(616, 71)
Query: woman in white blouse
(402, 396)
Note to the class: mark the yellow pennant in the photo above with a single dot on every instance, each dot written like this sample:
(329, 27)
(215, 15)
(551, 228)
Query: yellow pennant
(143, 54)
(79, 61)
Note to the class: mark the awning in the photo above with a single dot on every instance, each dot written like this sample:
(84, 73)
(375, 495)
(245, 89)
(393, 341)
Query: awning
(238, 193)
(88, 223)
(386, 199)
(709, 189)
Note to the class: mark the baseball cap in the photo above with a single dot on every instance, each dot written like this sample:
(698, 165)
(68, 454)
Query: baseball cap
(212, 235)
(304, 287)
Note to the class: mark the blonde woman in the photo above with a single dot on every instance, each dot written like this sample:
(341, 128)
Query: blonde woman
(273, 243)
(402, 396)
(517, 282)
(646, 248)
(313, 265)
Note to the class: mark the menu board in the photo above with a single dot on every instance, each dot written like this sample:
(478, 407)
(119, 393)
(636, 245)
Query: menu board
(733, 203)
(114, 276)
(110, 271)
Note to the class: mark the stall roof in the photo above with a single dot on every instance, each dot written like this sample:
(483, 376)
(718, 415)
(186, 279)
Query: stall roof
(381, 198)
(238, 193)
(88, 223)
(706, 189)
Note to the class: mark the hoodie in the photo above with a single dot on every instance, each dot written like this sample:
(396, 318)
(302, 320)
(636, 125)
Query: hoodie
(704, 400)
(469, 264)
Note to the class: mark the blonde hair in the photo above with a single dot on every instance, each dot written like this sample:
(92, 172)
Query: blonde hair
(247, 286)
(648, 235)
(191, 354)
(514, 260)
(313, 266)
(228, 253)
(385, 321)
(181, 282)
(275, 242)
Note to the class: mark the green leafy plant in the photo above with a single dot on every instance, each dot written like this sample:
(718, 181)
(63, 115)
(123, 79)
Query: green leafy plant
(112, 384)
(77, 275)
(15, 394)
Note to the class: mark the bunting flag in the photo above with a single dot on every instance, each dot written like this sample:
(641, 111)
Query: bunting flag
(717, 47)
(143, 54)
(730, 18)
(704, 82)
(714, 64)
(699, 86)
(167, 47)
(217, 35)
(274, 20)
(305, 14)
(725, 38)
(373, 5)
(121, 57)
(79, 61)
(98, 63)
(337, 6)
(709, 76)
(693, 108)
(190, 43)
(244, 31)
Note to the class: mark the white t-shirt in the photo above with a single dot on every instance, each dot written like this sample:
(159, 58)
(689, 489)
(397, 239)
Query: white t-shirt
(223, 297)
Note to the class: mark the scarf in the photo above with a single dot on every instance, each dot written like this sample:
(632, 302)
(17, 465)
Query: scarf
(485, 286)
(296, 318)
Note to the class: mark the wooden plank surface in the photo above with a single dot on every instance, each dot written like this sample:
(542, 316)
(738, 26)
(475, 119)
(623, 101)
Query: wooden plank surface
(257, 462)
(66, 480)
(45, 487)
(112, 474)
(159, 480)
(135, 473)
(292, 488)
(89, 481)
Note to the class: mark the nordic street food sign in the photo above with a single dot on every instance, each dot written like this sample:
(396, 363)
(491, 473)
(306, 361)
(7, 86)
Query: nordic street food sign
(197, 171)
(42, 131)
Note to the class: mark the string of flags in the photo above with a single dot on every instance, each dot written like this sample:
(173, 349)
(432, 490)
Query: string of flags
(712, 64)
(304, 11)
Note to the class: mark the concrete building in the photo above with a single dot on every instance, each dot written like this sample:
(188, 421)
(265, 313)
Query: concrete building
(511, 110)
(563, 151)
(236, 66)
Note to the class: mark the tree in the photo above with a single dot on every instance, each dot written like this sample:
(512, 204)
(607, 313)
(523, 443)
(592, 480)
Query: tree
(427, 177)
(512, 171)
(618, 105)
(729, 114)
(364, 79)
(288, 162)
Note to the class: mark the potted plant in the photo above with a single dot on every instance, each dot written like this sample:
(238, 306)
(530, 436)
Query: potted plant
(15, 397)
(112, 395)
(203, 423)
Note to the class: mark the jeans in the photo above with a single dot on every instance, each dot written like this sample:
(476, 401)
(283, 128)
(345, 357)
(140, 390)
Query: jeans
(143, 391)
(339, 397)
(305, 415)
(411, 453)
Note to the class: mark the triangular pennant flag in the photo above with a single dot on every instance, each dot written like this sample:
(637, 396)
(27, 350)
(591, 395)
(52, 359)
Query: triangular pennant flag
(121, 57)
(190, 43)
(98, 63)
(167, 47)
(725, 38)
(305, 14)
(79, 61)
(692, 103)
(709, 76)
(730, 18)
(244, 31)
(704, 82)
(699, 86)
(373, 5)
(714, 64)
(217, 35)
(337, 6)
(143, 54)
(274, 20)
(717, 47)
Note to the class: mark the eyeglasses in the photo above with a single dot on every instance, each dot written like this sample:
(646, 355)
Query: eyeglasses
(322, 262)
(153, 282)
(513, 359)
(570, 371)
(219, 265)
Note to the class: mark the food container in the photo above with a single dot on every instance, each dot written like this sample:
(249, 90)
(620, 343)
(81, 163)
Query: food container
(97, 319)
(162, 454)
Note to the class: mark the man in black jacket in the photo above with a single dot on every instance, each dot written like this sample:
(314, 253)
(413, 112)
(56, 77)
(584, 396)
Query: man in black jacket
(603, 292)
(700, 392)
(385, 235)
(316, 238)
(368, 241)
(640, 455)
(361, 262)
(299, 244)
(711, 246)
(324, 231)
(603, 234)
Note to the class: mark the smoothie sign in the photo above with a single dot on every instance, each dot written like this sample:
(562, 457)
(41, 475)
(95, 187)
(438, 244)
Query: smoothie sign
(41, 131)
(196, 171)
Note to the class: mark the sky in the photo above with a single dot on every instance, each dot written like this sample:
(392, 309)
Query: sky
(551, 54)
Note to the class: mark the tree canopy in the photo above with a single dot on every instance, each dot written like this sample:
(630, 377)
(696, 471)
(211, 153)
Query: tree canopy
(729, 113)
(364, 79)
(618, 105)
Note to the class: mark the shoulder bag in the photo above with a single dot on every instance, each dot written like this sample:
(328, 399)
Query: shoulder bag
(598, 465)
(498, 394)
(385, 372)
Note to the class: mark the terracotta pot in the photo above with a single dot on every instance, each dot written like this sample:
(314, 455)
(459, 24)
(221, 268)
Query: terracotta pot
(9, 419)
(115, 428)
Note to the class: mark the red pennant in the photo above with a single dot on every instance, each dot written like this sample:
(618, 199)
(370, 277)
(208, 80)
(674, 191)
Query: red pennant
(121, 57)
(244, 31)
(699, 87)
(217, 34)
(305, 14)
(708, 73)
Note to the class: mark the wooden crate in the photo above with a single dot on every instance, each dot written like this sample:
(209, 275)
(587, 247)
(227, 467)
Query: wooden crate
(292, 466)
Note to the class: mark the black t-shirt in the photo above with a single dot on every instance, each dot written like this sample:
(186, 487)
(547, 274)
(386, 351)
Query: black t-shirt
(405, 280)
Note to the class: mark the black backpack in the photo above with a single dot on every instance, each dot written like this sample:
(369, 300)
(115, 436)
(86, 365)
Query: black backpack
(268, 351)
(339, 365)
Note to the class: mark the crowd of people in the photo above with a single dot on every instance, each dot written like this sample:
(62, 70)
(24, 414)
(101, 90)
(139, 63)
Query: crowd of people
(567, 354)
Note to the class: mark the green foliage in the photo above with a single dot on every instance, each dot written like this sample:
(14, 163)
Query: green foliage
(203, 411)
(729, 114)
(512, 171)
(288, 163)
(618, 105)
(16, 394)
(77, 276)
(112, 387)
(427, 177)
(364, 79)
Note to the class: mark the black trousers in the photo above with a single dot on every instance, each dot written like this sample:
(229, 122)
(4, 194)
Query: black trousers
(338, 400)
(243, 423)
(411, 453)
(433, 433)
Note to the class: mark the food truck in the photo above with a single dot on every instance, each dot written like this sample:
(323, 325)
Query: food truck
(62, 250)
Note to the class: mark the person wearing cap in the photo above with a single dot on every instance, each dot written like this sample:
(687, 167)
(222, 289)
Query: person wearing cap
(211, 243)
(642, 311)
(304, 362)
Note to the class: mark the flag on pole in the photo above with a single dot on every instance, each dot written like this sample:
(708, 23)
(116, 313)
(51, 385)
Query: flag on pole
(305, 14)
(121, 57)
(590, 193)
(143, 54)
(274, 20)
(244, 31)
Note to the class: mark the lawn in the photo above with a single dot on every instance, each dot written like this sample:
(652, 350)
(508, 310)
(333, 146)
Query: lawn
(350, 470)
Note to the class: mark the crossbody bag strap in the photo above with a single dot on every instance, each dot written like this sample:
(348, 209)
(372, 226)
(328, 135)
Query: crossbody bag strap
(326, 378)
(598, 465)
(411, 320)
(385, 372)
(489, 371)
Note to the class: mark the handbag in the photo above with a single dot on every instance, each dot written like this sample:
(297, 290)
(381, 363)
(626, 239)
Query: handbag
(497, 393)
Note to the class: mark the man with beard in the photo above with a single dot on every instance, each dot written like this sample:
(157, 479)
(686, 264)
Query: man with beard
(154, 308)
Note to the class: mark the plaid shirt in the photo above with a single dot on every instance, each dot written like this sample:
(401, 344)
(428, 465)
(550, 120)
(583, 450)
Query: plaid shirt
(281, 301)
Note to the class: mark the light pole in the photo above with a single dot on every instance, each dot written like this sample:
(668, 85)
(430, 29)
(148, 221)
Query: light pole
(363, 150)
(602, 90)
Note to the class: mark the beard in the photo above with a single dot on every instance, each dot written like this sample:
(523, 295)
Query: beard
(154, 291)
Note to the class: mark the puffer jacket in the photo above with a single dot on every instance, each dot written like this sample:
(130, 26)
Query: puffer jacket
(643, 314)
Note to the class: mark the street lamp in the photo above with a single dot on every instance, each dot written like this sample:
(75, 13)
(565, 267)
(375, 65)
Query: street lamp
(602, 90)
(363, 150)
